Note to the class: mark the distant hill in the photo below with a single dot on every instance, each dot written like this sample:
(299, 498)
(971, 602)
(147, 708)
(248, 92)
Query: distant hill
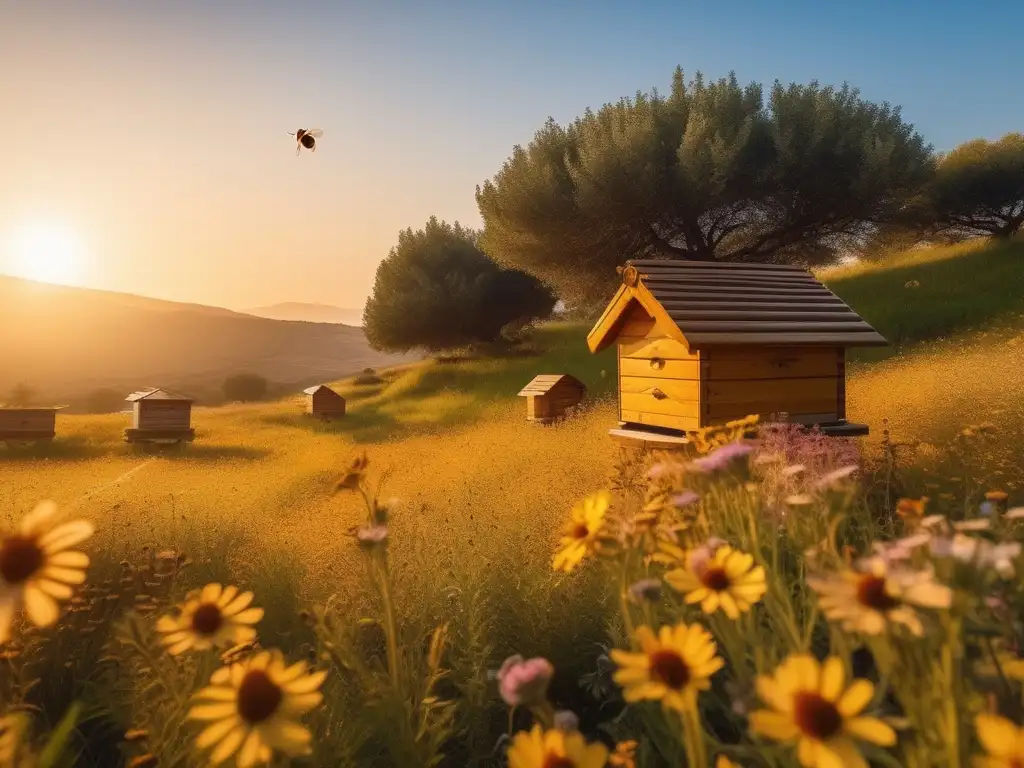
(68, 342)
(308, 313)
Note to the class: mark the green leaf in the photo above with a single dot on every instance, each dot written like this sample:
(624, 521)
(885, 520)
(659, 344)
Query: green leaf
(60, 738)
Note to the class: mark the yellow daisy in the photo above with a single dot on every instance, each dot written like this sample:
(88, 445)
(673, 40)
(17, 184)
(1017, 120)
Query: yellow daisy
(538, 748)
(1001, 739)
(580, 536)
(215, 617)
(872, 595)
(726, 580)
(38, 566)
(624, 755)
(252, 708)
(672, 667)
(811, 705)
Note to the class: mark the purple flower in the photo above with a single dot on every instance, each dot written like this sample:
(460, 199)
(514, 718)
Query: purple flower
(645, 590)
(684, 499)
(566, 720)
(371, 535)
(720, 458)
(524, 683)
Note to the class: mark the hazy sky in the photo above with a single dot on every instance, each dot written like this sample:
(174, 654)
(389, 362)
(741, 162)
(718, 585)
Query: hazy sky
(155, 132)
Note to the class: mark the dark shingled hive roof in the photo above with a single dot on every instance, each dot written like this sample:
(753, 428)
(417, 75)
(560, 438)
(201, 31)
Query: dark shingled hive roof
(715, 303)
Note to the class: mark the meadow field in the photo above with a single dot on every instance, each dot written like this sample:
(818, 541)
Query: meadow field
(475, 501)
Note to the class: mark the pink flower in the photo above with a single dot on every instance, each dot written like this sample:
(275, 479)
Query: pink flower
(684, 499)
(524, 683)
(720, 458)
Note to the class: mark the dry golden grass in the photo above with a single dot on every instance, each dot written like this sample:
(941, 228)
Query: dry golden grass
(483, 490)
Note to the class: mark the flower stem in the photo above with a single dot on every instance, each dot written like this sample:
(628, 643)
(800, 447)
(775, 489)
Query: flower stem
(696, 749)
(390, 625)
(627, 618)
(951, 699)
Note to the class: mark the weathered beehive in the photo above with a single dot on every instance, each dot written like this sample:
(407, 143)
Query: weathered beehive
(159, 415)
(28, 423)
(549, 396)
(324, 403)
(701, 344)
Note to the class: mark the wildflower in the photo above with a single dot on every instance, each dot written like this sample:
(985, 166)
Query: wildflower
(372, 535)
(911, 510)
(566, 720)
(353, 475)
(524, 682)
(836, 476)
(664, 470)
(252, 708)
(987, 509)
(538, 748)
(724, 762)
(728, 580)
(684, 499)
(38, 567)
(624, 755)
(810, 704)
(721, 458)
(972, 525)
(672, 667)
(645, 590)
(981, 553)
(216, 617)
(866, 599)
(1001, 739)
(580, 537)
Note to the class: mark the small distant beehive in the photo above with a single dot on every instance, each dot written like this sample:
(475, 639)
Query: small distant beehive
(28, 423)
(323, 402)
(160, 416)
(549, 396)
(703, 343)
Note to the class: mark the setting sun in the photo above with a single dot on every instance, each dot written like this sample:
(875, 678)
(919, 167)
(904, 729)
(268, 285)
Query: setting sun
(47, 252)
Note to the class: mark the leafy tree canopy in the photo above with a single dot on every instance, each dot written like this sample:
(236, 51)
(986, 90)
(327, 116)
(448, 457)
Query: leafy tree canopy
(437, 290)
(708, 172)
(978, 189)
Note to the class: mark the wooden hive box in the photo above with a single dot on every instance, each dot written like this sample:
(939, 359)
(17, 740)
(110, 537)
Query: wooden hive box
(324, 403)
(28, 423)
(549, 396)
(160, 416)
(704, 343)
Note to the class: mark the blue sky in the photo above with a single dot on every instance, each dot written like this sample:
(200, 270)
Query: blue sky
(159, 128)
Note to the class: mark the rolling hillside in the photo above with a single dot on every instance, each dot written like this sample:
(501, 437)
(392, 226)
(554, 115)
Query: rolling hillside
(308, 313)
(67, 342)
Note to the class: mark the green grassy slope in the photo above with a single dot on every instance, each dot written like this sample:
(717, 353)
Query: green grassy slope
(960, 290)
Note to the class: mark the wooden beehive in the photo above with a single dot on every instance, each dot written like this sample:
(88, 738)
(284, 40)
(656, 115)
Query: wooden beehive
(28, 423)
(160, 416)
(549, 396)
(704, 343)
(324, 403)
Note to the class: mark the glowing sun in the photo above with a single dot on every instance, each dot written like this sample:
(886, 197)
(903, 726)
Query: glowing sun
(47, 252)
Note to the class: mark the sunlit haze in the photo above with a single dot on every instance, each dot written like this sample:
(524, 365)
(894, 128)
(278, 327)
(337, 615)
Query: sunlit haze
(144, 147)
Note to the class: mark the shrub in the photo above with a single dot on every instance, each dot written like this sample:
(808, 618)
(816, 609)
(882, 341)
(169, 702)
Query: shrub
(105, 401)
(245, 387)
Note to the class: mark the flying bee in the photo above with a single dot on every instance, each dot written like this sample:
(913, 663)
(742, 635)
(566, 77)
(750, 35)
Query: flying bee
(306, 138)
